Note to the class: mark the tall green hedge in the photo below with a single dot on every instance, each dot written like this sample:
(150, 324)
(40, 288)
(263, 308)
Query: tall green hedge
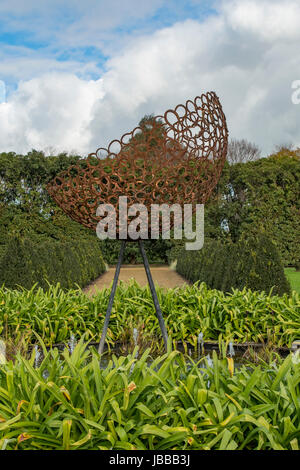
(259, 195)
(25, 263)
(156, 251)
(253, 262)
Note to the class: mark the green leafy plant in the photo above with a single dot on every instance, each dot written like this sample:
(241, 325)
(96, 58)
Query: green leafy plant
(69, 403)
(241, 315)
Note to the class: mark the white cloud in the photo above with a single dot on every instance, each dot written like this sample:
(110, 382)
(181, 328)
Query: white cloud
(50, 111)
(253, 80)
(249, 54)
(270, 20)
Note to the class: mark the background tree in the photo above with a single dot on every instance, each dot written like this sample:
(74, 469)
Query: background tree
(242, 151)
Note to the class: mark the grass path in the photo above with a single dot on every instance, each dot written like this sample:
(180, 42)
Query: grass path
(162, 275)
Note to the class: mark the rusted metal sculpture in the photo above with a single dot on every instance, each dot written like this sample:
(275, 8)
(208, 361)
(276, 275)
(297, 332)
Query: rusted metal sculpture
(174, 158)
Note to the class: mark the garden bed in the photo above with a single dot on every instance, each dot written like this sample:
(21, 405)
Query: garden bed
(131, 404)
(239, 316)
(141, 398)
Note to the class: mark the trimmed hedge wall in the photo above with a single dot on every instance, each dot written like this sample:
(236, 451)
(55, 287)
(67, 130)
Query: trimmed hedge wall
(253, 263)
(71, 262)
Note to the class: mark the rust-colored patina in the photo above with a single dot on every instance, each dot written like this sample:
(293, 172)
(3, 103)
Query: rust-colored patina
(174, 158)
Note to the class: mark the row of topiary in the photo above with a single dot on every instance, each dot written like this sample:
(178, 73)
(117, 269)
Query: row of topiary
(252, 262)
(70, 262)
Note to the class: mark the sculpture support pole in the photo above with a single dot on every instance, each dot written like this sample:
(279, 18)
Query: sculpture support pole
(154, 295)
(111, 298)
(152, 290)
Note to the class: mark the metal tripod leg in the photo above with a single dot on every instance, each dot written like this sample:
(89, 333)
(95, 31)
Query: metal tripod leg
(154, 295)
(111, 298)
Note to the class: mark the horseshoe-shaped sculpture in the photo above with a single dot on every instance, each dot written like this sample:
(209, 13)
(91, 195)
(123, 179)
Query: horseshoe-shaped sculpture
(174, 158)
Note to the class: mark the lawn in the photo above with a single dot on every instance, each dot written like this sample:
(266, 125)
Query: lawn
(294, 278)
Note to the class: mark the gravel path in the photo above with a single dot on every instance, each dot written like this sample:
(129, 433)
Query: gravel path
(162, 275)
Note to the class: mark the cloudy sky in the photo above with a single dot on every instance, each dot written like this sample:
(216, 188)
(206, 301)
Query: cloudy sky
(75, 74)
